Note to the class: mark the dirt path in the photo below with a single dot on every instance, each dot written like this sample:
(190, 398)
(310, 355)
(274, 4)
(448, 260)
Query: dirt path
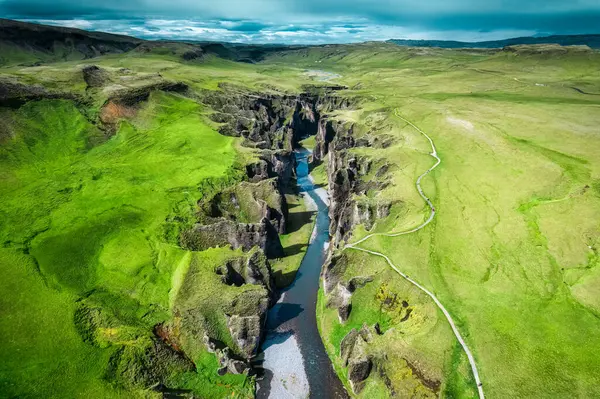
(410, 280)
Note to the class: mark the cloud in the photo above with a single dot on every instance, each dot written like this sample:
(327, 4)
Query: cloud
(315, 21)
(297, 34)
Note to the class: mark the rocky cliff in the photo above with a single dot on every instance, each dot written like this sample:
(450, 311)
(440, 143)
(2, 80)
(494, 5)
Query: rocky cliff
(253, 213)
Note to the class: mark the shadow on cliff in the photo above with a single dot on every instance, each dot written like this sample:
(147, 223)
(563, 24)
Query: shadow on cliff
(284, 280)
(294, 249)
(297, 220)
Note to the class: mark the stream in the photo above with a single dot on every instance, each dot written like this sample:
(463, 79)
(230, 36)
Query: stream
(293, 357)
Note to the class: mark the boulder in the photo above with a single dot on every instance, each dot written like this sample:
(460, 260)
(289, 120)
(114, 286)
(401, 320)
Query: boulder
(347, 345)
(237, 367)
(366, 333)
(345, 304)
(358, 282)
(246, 332)
(340, 295)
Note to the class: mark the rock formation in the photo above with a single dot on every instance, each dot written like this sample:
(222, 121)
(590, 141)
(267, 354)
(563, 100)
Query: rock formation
(254, 270)
(238, 235)
(354, 354)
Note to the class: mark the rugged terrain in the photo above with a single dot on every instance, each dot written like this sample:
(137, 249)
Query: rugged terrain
(150, 214)
(592, 41)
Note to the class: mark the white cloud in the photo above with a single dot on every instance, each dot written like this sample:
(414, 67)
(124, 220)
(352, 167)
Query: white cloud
(225, 30)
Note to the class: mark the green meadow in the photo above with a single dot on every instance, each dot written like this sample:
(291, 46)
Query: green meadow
(513, 250)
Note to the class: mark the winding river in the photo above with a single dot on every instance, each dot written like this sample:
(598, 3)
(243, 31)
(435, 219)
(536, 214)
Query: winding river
(293, 356)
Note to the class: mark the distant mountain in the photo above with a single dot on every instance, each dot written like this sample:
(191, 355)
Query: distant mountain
(592, 41)
(27, 43)
(24, 43)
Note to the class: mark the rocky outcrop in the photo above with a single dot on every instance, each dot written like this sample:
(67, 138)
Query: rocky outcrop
(350, 177)
(246, 320)
(340, 297)
(354, 354)
(238, 235)
(265, 121)
(133, 96)
(123, 103)
(339, 292)
(246, 332)
(14, 94)
(228, 361)
(145, 365)
(249, 203)
(246, 317)
(280, 164)
(95, 76)
(271, 121)
(244, 215)
(254, 270)
(367, 212)
(196, 54)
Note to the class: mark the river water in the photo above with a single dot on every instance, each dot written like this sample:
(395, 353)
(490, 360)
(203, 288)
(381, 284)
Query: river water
(293, 356)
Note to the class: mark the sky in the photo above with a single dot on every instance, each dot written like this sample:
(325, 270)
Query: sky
(314, 21)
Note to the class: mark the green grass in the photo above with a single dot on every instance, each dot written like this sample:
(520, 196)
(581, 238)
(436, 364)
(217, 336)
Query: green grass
(300, 225)
(512, 253)
(93, 222)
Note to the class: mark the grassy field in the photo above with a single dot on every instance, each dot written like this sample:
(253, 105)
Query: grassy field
(513, 251)
(90, 231)
(88, 227)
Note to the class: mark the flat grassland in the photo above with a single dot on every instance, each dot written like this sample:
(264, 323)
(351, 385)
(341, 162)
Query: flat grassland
(513, 252)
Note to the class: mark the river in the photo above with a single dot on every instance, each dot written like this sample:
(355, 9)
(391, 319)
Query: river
(293, 356)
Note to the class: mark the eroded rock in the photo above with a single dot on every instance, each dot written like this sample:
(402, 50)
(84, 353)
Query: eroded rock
(354, 353)
(95, 76)
(249, 203)
(238, 235)
(246, 320)
(253, 269)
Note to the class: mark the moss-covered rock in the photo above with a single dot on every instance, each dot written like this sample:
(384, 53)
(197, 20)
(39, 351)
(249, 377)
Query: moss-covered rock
(249, 203)
(246, 320)
(237, 235)
(353, 350)
(253, 269)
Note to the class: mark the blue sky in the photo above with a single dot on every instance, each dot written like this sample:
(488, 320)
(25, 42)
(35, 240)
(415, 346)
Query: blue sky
(315, 21)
